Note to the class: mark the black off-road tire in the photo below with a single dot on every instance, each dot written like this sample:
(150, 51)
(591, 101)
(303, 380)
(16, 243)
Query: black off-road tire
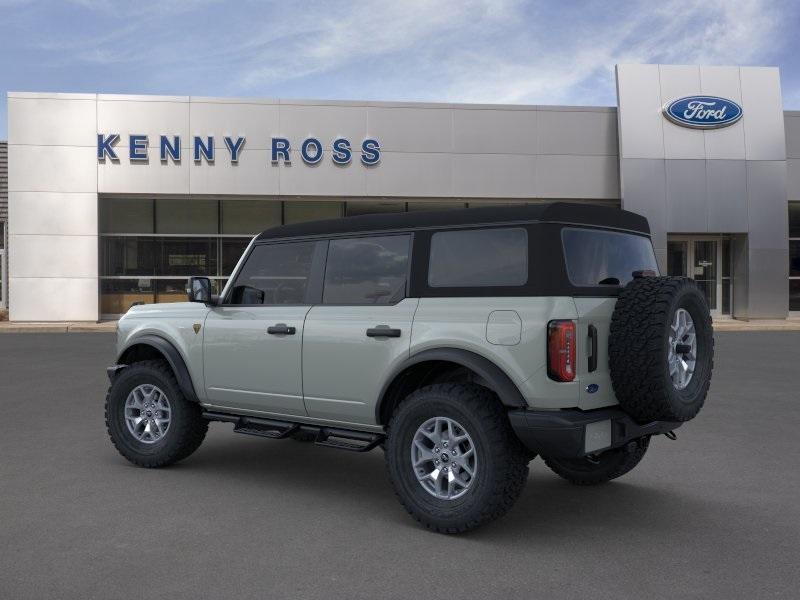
(609, 465)
(502, 462)
(187, 427)
(639, 347)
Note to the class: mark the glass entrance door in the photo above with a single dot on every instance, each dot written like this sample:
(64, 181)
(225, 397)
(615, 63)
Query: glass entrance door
(702, 260)
(704, 269)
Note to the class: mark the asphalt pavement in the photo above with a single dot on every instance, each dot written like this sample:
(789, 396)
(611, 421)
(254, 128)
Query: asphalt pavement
(715, 514)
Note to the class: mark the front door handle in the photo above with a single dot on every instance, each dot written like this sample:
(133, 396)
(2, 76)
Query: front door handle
(383, 331)
(281, 329)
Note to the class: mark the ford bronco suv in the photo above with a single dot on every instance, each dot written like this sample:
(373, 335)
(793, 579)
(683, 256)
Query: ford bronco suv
(463, 343)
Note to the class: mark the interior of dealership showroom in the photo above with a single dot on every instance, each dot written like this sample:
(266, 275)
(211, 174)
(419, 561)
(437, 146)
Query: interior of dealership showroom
(107, 200)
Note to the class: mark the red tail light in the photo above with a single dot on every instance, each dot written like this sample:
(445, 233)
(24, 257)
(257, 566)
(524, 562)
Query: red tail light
(561, 350)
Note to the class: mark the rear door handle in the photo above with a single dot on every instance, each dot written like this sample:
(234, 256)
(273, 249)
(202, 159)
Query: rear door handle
(281, 329)
(593, 346)
(383, 331)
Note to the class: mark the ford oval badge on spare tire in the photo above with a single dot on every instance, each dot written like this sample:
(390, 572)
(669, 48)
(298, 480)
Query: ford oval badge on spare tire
(703, 112)
(592, 388)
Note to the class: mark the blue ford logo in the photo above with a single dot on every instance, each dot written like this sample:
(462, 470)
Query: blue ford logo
(703, 112)
(592, 388)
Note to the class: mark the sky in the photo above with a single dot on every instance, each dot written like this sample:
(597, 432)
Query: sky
(487, 51)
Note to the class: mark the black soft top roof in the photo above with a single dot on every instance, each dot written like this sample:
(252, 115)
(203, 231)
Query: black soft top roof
(553, 212)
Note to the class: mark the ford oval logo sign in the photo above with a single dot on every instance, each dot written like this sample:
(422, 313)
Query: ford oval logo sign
(703, 112)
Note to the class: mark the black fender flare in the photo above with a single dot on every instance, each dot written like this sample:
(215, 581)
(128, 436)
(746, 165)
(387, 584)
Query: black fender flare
(174, 358)
(497, 379)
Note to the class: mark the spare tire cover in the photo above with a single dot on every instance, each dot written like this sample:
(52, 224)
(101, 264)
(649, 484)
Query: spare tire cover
(661, 349)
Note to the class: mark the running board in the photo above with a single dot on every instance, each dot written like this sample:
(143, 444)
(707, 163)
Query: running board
(330, 437)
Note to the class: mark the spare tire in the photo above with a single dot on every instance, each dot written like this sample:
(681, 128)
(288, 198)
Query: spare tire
(661, 349)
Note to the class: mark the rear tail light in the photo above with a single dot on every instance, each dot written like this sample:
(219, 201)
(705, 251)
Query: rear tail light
(561, 350)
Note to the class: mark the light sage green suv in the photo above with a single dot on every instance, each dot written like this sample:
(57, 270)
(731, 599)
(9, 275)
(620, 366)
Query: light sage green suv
(463, 343)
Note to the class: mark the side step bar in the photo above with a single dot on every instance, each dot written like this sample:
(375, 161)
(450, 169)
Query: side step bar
(331, 437)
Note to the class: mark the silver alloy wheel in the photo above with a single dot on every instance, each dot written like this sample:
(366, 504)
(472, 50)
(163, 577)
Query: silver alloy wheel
(147, 413)
(443, 458)
(682, 349)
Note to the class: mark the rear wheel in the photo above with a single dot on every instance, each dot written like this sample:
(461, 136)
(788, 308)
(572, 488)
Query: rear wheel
(591, 470)
(453, 458)
(149, 420)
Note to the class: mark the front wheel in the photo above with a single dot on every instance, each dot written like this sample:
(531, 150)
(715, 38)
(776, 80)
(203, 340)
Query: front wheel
(453, 458)
(591, 470)
(149, 420)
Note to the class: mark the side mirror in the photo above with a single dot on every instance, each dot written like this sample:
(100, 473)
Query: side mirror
(199, 289)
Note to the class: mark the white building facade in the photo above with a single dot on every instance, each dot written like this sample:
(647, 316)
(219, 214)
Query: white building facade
(117, 199)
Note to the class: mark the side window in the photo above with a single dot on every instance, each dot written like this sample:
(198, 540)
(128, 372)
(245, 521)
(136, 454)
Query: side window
(275, 274)
(479, 258)
(369, 270)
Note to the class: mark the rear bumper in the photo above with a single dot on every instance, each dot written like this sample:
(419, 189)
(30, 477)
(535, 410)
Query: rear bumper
(576, 433)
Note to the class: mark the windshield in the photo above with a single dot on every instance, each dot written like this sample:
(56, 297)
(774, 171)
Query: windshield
(596, 257)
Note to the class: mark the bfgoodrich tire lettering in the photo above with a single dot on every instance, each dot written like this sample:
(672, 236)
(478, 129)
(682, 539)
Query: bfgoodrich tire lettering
(640, 347)
(187, 428)
(502, 463)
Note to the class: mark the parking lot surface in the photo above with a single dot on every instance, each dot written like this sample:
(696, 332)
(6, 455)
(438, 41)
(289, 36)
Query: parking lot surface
(715, 514)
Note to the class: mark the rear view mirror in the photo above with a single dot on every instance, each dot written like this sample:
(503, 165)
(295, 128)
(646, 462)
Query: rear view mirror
(199, 289)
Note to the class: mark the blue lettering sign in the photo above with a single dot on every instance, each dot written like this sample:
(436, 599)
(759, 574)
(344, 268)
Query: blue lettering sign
(173, 150)
(234, 147)
(206, 149)
(280, 149)
(370, 152)
(105, 146)
(137, 145)
(341, 152)
(311, 151)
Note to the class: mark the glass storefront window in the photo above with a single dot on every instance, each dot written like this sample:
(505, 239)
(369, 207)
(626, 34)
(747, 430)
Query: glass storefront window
(118, 295)
(249, 217)
(187, 216)
(794, 219)
(300, 211)
(128, 256)
(232, 250)
(126, 215)
(188, 256)
(794, 294)
(358, 207)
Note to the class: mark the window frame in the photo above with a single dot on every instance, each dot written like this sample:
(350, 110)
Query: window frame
(366, 235)
(315, 276)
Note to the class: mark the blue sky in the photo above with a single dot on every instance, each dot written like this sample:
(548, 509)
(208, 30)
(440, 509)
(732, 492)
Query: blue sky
(505, 51)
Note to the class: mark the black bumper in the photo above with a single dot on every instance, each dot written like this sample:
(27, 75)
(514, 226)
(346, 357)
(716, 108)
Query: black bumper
(564, 434)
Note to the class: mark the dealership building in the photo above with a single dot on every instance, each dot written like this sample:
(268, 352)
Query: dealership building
(117, 199)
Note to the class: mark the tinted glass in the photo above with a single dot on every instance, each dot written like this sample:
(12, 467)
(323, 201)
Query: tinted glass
(794, 294)
(794, 219)
(794, 258)
(274, 274)
(367, 270)
(597, 257)
(479, 258)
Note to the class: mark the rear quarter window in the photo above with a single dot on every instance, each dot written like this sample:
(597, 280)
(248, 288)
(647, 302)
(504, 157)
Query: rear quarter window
(596, 257)
(479, 258)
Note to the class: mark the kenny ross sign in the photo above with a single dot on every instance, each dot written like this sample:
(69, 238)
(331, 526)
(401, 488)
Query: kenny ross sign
(169, 148)
(703, 112)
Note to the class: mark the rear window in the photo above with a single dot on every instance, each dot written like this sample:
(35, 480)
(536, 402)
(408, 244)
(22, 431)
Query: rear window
(479, 258)
(596, 257)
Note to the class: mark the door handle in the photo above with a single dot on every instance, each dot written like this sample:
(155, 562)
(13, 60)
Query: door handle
(281, 329)
(383, 331)
(593, 346)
